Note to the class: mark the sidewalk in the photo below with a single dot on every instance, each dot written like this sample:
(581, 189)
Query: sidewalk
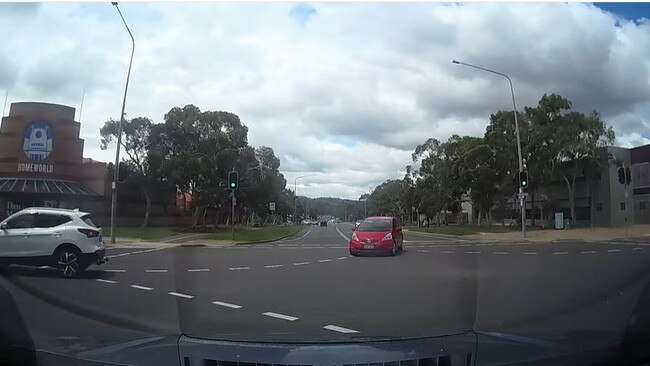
(586, 234)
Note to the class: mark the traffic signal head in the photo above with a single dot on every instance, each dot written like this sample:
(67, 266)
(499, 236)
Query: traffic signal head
(628, 176)
(121, 172)
(621, 175)
(523, 179)
(233, 180)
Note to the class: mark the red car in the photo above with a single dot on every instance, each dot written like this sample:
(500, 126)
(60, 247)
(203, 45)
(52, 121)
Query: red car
(377, 234)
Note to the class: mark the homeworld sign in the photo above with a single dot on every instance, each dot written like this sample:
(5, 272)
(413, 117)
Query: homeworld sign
(38, 139)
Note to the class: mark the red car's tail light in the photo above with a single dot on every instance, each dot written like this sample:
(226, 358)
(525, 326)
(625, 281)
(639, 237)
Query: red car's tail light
(388, 236)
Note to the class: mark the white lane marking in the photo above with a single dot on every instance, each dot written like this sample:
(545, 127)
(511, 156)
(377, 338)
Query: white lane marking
(138, 252)
(280, 316)
(142, 287)
(122, 255)
(261, 247)
(478, 252)
(628, 243)
(336, 247)
(446, 252)
(312, 247)
(273, 266)
(341, 257)
(199, 270)
(150, 250)
(589, 252)
(289, 245)
(178, 294)
(423, 251)
(560, 253)
(300, 263)
(181, 237)
(238, 268)
(500, 253)
(156, 270)
(307, 233)
(42, 267)
(228, 305)
(104, 281)
(115, 270)
(637, 248)
(416, 246)
(324, 260)
(613, 250)
(342, 235)
(530, 253)
(336, 328)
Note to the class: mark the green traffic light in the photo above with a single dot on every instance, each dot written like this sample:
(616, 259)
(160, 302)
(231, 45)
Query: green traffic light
(524, 183)
(232, 184)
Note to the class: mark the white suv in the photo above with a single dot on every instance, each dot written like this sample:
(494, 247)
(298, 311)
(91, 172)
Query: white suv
(65, 239)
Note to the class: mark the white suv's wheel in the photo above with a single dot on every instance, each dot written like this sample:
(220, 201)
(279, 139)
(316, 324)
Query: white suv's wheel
(68, 262)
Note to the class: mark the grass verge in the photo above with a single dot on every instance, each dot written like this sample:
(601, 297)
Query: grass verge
(254, 234)
(461, 229)
(144, 233)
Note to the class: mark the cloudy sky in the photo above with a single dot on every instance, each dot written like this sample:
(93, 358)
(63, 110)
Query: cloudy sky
(344, 91)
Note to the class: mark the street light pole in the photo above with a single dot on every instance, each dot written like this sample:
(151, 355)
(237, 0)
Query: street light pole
(119, 132)
(521, 165)
(295, 193)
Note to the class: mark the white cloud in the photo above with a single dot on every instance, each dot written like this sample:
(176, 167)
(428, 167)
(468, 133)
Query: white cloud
(346, 90)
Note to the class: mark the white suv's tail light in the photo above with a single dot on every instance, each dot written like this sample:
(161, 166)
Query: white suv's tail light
(89, 233)
(388, 236)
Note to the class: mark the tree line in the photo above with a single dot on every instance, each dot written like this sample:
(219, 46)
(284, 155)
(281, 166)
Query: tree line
(192, 152)
(558, 145)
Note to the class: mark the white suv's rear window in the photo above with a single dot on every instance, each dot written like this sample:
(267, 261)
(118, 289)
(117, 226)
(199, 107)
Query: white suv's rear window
(88, 220)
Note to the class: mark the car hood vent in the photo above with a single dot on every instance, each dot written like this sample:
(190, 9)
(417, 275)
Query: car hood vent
(455, 360)
(454, 350)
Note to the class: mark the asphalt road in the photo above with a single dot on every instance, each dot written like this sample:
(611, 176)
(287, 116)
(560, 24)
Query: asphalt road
(307, 288)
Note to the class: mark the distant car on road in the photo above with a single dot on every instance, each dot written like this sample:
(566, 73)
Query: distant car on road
(323, 223)
(377, 234)
(65, 239)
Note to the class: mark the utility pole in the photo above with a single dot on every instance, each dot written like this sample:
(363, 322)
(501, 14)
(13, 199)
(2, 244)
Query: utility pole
(232, 214)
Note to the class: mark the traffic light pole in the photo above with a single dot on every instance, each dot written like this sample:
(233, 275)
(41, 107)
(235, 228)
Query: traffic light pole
(232, 214)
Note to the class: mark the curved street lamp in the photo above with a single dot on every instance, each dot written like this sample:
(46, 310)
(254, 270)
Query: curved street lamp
(521, 165)
(295, 192)
(119, 132)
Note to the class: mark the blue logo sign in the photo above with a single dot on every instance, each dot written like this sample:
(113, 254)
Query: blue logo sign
(37, 140)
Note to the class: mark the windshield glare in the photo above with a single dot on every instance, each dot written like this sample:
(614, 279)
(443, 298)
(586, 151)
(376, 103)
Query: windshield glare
(374, 225)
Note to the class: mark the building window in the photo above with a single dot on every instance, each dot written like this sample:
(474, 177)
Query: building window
(599, 206)
(642, 205)
(622, 206)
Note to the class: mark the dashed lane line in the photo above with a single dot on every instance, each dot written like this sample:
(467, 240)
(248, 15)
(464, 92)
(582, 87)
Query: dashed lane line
(341, 258)
(500, 253)
(336, 328)
(179, 294)
(280, 316)
(300, 263)
(227, 305)
(142, 287)
(530, 253)
(473, 252)
(589, 252)
(273, 266)
(446, 252)
(156, 270)
(115, 270)
(324, 260)
(423, 251)
(239, 268)
(199, 270)
(613, 250)
(637, 248)
(105, 281)
(560, 253)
